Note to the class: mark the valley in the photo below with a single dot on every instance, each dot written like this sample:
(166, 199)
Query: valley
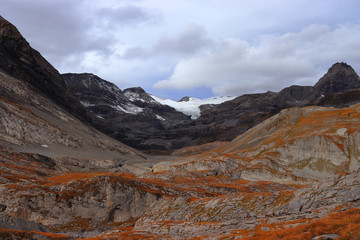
(75, 162)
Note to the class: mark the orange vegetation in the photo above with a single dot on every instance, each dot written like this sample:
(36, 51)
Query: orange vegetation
(128, 234)
(10, 234)
(67, 177)
(346, 224)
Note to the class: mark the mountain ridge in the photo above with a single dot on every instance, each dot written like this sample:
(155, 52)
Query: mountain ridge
(226, 119)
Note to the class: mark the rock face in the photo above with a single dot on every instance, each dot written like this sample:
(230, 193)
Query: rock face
(19, 60)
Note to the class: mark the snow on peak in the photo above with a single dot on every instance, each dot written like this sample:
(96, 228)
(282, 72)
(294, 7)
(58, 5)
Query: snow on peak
(192, 105)
(134, 96)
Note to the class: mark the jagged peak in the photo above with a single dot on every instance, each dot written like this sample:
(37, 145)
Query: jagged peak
(339, 77)
(88, 79)
(185, 99)
(135, 90)
(89, 75)
(341, 67)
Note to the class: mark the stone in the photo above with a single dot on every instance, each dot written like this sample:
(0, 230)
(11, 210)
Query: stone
(326, 237)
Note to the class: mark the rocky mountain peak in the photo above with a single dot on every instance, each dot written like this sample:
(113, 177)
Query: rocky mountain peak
(89, 81)
(341, 67)
(340, 77)
(137, 90)
(185, 99)
(11, 36)
(137, 94)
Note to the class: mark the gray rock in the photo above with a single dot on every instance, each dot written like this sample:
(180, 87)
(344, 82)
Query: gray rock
(2, 207)
(326, 237)
(9, 222)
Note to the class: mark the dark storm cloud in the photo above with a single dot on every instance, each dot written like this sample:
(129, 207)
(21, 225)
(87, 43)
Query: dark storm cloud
(188, 42)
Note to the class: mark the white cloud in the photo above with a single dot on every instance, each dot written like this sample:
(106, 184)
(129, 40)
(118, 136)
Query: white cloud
(271, 62)
(188, 42)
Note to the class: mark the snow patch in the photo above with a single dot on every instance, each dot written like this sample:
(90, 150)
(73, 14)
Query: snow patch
(87, 104)
(85, 82)
(192, 107)
(131, 109)
(134, 97)
(160, 118)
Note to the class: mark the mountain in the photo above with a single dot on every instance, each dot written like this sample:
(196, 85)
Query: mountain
(132, 116)
(147, 122)
(136, 118)
(244, 112)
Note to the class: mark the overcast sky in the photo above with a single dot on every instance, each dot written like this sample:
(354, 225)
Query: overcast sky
(199, 48)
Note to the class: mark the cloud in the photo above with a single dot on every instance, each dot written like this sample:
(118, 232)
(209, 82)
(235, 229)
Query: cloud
(124, 15)
(190, 41)
(248, 46)
(274, 61)
(68, 33)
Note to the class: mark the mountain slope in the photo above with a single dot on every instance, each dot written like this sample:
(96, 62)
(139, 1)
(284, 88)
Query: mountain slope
(312, 141)
(19, 60)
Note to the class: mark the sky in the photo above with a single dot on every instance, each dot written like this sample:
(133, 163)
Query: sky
(198, 48)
